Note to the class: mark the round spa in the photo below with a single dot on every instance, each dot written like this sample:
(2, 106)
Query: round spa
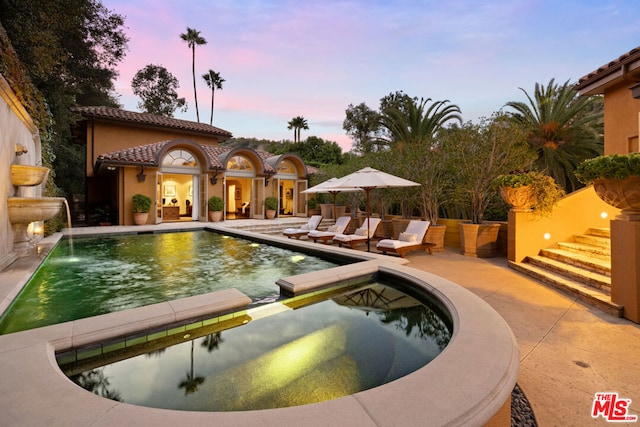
(308, 349)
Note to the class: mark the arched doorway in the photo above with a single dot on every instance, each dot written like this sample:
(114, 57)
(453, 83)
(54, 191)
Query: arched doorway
(292, 201)
(243, 191)
(178, 187)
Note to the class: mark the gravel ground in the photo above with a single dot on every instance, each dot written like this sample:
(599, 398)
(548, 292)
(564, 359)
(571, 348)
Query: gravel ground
(521, 412)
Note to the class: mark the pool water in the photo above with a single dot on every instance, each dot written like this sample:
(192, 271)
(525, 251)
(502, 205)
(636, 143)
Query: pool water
(101, 275)
(356, 340)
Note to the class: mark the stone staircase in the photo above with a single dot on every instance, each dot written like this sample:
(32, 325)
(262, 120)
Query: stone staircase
(581, 266)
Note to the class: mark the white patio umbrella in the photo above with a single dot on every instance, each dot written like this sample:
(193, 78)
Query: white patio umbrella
(367, 179)
(326, 187)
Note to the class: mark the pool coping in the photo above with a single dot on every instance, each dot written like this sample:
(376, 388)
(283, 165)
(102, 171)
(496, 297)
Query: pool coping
(432, 394)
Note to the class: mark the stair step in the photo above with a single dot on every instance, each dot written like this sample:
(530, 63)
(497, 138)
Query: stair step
(597, 265)
(586, 249)
(602, 232)
(585, 293)
(590, 239)
(591, 278)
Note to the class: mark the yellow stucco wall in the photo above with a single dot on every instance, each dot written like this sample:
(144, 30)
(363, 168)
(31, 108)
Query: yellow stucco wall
(108, 137)
(575, 214)
(621, 112)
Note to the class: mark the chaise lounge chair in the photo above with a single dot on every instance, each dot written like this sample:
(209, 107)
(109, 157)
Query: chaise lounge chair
(324, 236)
(311, 225)
(360, 235)
(411, 239)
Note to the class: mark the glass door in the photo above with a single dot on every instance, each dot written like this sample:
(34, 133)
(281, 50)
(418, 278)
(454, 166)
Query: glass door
(257, 198)
(159, 197)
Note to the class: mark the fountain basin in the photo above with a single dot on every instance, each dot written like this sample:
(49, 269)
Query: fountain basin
(25, 210)
(28, 175)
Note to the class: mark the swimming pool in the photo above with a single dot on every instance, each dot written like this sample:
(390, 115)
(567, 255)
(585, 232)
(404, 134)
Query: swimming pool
(91, 276)
(355, 338)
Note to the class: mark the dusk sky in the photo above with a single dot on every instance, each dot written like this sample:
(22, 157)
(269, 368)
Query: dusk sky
(282, 59)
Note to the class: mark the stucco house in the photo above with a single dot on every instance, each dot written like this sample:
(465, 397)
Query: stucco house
(619, 82)
(179, 164)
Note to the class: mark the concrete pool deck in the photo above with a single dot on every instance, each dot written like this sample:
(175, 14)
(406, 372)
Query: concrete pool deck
(568, 351)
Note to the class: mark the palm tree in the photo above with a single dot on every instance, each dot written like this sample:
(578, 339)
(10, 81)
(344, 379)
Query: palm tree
(413, 123)
(412, 129)
(296, 124)
(193, 38)
(564, 129)
(214, 81)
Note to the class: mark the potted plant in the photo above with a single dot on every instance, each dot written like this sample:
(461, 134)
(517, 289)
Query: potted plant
(271, 206)
(615, 179)
(104, 215)
(476, 155)
(216, 205)
(141, 208)
(529, 191)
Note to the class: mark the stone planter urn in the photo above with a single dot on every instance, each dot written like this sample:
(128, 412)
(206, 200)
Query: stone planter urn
(270, 214)
(520, 199)
(623, 194)
(479, 240)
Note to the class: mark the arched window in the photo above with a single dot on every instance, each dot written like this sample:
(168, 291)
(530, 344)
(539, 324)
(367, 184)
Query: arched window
(239, 163)
(286, 167)
(179, 159)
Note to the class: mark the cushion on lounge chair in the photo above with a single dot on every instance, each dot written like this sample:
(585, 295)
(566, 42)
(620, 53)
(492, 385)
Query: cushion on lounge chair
(408, 237)
(361, 233)
(415, 230)
(312, 224)
(340, 225)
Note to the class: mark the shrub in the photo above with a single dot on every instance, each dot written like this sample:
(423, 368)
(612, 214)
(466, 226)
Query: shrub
(216, 203)
(545, 191)
(141, 203)
(618, 166)
(271, 203)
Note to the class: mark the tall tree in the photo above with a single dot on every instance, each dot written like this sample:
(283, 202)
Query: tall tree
(297, 123)
(214, 81)
(362, 124)
(193, 38)
(71, 50)
(157, 88)
(564, 129)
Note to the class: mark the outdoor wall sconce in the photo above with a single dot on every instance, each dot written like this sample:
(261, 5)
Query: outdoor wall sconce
(20, 150)
(111, 168)
(214, 179)
(266, 182)
(141, 176)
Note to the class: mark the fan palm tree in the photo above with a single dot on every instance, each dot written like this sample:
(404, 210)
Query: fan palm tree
(214, 81)
(564, 129)
(193, 39)
(296, 124)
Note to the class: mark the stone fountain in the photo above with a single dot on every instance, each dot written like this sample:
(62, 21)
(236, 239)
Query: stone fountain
(24, 211)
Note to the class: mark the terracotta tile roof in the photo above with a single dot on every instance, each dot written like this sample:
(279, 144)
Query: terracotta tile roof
(148, 155)
(117, 114)
(609, 68)
(142, 154)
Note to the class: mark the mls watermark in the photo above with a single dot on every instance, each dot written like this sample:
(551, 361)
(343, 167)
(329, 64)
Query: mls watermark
(612, 408)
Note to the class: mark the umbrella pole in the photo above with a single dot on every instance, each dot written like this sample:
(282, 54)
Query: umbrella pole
(335, 195)
(368, 222)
